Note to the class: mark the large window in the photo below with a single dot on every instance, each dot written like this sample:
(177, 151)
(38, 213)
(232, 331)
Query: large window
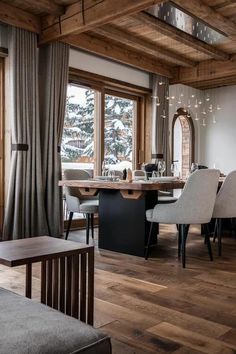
(100, 125)
(118, 132)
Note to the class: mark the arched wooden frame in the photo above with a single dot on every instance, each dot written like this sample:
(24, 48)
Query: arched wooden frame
(183, 112)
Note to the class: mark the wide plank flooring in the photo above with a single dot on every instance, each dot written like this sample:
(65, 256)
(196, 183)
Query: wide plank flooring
(155, 306)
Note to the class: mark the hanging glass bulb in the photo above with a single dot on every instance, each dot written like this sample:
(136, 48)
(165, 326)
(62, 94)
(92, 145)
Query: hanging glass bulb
(181, 95)
(203, 122)
(196, 104)
(158, 101)
(172, 97)
(154, 97)
(193, 95)
(170, 104)
(176, 110)
(184, 108)
(196, 117)
(179, 101)
(207, 98)
(200, 102)
(167, 98)
(188, 115)
(204, 111)
(218, 107)
(214, 120)
(161, 83)
(164, 114)
(189, 104)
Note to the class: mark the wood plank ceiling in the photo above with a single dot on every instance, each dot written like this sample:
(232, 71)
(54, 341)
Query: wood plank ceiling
(122, 31)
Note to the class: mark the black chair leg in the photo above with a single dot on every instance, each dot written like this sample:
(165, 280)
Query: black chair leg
(179, 240)
(149, 241)
(69, 224)
(215, 230)
(87, 228)
(184, 234)
(219, 237)
(208, 241)
(92, 224)
(233, 229)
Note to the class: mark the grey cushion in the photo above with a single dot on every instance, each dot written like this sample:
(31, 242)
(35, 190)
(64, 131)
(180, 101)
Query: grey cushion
(89, 206)
(167, 199)
(32, 328)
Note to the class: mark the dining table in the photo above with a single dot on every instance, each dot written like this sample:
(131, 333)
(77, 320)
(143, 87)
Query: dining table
(122, 210)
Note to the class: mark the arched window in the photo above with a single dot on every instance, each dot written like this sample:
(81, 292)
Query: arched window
(183, 141)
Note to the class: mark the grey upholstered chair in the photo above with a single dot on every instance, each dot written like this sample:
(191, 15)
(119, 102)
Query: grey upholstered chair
(225, 205)
(194, 206)
(138, 174)
(76, 203)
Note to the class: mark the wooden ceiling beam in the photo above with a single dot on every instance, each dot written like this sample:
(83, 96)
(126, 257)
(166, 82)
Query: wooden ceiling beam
(208, 15)
(204, 85)
(206, 71)
(120, 53)
(19, 18)
(38, 6)
(84, 16)
(127, 38)
(180, 36)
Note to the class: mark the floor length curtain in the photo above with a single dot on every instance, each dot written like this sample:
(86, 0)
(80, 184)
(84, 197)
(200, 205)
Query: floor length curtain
(25, 213)
(160, 118)
(53, 79)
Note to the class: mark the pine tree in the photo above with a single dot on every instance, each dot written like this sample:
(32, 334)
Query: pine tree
(78, 136)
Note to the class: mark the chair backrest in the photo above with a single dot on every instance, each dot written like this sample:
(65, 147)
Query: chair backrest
(196, 203)
(225, 205)
(75, 174)
(139, 173)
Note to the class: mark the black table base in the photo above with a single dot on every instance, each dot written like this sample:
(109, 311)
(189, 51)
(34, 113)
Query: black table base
(122, 222)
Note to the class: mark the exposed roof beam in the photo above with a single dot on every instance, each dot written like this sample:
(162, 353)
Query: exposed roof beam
(203, 85)
(47, 6)
(208, 15)
(139, 43)
(19, 18)
(180, 36)
(78, 19)
(206, 71)
(121, 53)
(38, 6)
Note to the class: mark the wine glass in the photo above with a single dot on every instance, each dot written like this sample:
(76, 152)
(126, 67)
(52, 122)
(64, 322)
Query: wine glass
(194, 167)
(154, 174)
(103, 168)
(161, 167)
(173, 168)
(112, 174)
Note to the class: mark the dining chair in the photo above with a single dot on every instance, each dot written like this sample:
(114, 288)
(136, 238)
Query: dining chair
(225, 206)
(77, 203)
(194, 206)
(138, 174)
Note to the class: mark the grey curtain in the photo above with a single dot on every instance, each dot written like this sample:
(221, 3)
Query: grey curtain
(25, 213)
(53, 79)
(160, 118)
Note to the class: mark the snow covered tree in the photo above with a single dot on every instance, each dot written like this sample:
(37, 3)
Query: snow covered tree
(78, 135)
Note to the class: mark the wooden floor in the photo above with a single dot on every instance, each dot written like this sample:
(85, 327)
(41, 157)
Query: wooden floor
(155, 306)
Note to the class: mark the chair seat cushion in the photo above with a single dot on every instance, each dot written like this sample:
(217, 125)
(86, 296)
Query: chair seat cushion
(89, 206)
(30, 327)
(167, 199)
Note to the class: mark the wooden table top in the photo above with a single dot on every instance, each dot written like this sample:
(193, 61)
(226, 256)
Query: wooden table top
(122, 185)
(36, 249)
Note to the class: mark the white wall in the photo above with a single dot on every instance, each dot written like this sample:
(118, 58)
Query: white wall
(88, 62)
(218, 141)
